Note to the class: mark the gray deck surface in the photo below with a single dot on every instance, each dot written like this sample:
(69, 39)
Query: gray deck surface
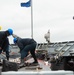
(42, 64)
(45, 71)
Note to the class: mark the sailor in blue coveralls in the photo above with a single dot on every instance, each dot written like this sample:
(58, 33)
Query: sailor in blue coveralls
(26, 45)
(4, 41)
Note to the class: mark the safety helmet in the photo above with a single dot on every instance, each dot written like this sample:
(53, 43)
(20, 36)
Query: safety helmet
(10, 31)
(15, 40)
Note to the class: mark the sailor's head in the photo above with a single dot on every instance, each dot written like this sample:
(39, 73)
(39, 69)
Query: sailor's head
(15, 40)
(9, 32)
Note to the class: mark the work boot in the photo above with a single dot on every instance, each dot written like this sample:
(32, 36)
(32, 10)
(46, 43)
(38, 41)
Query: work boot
(22, 64)
(35, 63)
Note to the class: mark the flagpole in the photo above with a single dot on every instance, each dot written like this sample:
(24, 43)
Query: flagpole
(31, 19)
(28, 4)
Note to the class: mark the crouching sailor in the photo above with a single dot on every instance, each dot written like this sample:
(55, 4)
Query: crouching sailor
(26, 45)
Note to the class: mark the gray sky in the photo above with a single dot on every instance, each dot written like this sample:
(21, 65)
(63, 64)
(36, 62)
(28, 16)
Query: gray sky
(56, 15)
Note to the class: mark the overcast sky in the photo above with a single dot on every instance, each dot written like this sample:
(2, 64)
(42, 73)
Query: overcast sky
(56, 15)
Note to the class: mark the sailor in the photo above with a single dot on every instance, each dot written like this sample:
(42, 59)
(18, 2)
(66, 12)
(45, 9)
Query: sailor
(26, 45)
(4, 41)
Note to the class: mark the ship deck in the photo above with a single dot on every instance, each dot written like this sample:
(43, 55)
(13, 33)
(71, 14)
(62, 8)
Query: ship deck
(44, 71)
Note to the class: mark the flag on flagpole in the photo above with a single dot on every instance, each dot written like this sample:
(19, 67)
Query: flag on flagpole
(27, 4)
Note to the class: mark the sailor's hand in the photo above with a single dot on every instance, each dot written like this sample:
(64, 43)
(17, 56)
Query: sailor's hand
(3, 52)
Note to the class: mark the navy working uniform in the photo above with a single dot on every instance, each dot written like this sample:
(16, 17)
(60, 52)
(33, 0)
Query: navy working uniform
(4, 41)
(26, 45)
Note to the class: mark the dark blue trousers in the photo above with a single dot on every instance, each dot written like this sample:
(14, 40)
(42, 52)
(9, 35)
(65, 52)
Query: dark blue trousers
(7, 52)
(28, 48)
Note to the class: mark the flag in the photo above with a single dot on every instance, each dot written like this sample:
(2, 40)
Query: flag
(27, 4)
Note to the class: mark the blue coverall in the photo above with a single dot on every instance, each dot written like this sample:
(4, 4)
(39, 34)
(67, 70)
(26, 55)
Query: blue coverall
(4, 44)
(27, 45)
